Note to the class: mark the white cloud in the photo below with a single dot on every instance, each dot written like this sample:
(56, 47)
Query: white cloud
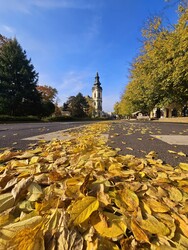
(45, 79)
(94, 28)
(15, 5)
(73, 82)
(7, 30)
(25, 6)
(78, 4)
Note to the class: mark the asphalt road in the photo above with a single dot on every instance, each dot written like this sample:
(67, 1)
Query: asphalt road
(11, 135)
(136, 138)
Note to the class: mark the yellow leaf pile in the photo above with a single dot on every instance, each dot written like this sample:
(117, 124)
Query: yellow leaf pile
(81, 194)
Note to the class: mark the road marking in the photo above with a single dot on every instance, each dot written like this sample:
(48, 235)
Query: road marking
(59, 135)
(173, 139)
(49, 137)
(104, 137)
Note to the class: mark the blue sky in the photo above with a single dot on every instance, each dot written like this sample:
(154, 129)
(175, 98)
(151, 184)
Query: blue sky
(68, 41)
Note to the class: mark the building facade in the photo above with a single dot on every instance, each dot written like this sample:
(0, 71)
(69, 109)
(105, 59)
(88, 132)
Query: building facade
(97, 97)
(169, 111)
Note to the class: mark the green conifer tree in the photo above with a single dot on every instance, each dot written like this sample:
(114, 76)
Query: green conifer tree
(18, 81)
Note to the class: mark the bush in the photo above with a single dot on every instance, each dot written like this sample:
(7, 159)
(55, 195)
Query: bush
(7, 118)
(58, 119)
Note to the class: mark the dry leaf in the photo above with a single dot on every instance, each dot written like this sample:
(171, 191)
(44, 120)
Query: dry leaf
(128, 148)
(7, 155)
(6, 201)
(130, 198)
(19, 231)
(182, 224)
(152, 225)
(21, 187)
(184, 166)
(172, 152)
(105, 244)
(157, 206)
(138, 233)
(82, 209)
(174, 193)
(108, 225)
(35, 192)
(181, 154)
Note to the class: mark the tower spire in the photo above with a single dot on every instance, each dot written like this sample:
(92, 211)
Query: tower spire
(97, 97)
(97, 82)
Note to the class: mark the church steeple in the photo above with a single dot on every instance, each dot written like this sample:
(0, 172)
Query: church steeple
(97, 82)
(97, 97)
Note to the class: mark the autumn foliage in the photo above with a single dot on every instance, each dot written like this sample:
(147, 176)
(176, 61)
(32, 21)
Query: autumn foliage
(81, 194)
(158, 75)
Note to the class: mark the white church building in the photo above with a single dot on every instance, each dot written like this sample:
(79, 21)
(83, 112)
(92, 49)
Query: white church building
(97, 97)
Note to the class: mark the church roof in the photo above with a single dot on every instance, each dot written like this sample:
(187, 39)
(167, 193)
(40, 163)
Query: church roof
(97, 82)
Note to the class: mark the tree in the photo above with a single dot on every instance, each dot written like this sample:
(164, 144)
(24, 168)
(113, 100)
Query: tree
(77, 105)
(158, 76)
(47, 92)
(48, 108)
(3, 40)
(91, 109)
(58, 110)
(116, 108)
(18, 81)
(48, 95)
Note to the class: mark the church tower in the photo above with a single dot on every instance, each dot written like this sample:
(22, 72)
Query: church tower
(97, 97)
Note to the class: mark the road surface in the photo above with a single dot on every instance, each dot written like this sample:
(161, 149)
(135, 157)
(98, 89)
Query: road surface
(13, 135)
(168, 140)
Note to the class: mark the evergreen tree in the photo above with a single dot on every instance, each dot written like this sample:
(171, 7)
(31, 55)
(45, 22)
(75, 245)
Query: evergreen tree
(77, 105)
(18, 81)
(3, 40)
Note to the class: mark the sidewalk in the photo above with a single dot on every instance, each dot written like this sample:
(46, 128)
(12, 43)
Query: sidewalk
(174, 119)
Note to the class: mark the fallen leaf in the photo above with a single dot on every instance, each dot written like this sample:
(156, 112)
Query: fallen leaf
(138, 233)
(6, 201)
(184, 166)
(105, 244)
(157, 206)
(20, 232)
(34, 192)
(182, 224)
(129, 198)
(172, 152)
(7, 155)
(111, 225)
(128, 148)
(174, 193)
(82, 209)
(181, 154)
(152, 225)
(21, 187)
